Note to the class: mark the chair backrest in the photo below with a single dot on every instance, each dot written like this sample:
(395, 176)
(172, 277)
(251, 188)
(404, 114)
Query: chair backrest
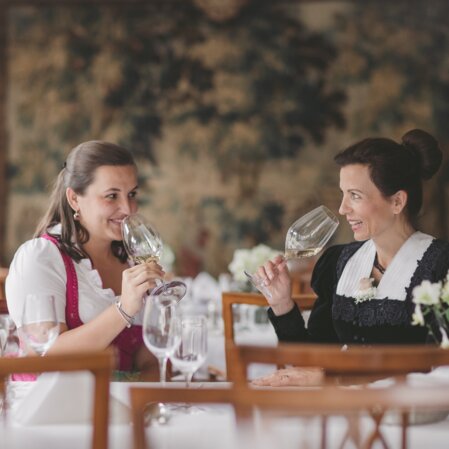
(370, 361)
(100, 363)
(3, 305)
(305, 301)
(356, 364)
(142, 396)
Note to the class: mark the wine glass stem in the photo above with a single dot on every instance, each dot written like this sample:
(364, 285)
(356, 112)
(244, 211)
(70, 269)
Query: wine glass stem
(162, 369)
(188, 377)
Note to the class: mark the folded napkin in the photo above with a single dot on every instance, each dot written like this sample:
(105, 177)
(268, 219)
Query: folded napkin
(63, 398)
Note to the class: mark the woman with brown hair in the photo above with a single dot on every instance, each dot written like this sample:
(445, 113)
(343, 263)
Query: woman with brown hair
(78, 257)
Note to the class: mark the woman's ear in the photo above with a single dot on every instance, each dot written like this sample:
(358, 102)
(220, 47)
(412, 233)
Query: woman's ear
(399, 201)
(72, 199)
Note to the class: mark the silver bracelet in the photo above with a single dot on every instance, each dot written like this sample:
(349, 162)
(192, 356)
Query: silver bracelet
(128, 318)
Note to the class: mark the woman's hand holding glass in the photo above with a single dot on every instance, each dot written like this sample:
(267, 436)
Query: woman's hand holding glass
(136, 282)
(276, 281)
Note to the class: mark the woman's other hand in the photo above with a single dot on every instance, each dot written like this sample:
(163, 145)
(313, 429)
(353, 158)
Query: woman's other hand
(292, 377)
(136, 281)
(276, 280)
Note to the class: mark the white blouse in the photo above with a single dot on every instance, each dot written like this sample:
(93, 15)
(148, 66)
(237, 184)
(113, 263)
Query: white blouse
(397, 276)
(38, 267)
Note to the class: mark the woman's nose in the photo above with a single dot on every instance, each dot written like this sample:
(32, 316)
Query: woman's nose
(343, 209)
(127, 207)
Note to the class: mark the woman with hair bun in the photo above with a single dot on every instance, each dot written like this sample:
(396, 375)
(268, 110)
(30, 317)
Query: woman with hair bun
(365, 288)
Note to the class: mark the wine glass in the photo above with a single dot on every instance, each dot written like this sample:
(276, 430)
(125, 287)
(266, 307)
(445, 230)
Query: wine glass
(191, 349)
(144, 244)
(40, 326)
(158, 335)
(306, 237)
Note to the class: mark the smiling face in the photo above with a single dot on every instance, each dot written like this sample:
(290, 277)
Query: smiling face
(107, 200)
(369, 213)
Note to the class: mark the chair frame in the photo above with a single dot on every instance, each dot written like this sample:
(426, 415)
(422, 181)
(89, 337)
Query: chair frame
(100, 363)
(305, 301)
(357, 364)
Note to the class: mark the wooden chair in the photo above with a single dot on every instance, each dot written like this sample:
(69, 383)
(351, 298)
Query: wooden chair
(100, 363)
(3, 305)
(141, 397)
(304, 301)
(357, 364)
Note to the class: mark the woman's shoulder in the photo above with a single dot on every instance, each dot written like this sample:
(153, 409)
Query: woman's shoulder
(36, 253)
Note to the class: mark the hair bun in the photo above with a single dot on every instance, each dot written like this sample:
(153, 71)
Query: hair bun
(426, 148)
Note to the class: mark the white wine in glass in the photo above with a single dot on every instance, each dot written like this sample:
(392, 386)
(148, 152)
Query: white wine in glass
(143, 244)
(306, 237)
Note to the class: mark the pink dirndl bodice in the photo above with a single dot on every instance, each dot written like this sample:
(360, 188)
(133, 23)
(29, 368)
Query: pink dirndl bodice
(127, 342)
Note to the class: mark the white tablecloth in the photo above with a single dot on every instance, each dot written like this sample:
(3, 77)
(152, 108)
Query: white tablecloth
(214, 427)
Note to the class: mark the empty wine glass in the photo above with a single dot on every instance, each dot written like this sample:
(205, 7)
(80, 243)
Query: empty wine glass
(40, 326)
(158, 322)
(191, 349)
(306, 237)
(144, 244)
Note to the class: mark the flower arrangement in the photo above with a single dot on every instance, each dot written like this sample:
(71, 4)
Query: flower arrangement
(367, 290)
(249, 260)
(432, 299)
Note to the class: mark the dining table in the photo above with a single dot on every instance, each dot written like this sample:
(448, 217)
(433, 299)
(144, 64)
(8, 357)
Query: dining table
(54, 413)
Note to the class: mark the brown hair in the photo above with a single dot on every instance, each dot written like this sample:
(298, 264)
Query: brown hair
(78, 173)
(397, 166)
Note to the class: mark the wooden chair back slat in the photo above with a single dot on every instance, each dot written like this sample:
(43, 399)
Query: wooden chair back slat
(304, 302)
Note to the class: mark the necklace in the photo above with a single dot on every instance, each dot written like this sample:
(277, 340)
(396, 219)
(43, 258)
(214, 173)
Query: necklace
(378, 266)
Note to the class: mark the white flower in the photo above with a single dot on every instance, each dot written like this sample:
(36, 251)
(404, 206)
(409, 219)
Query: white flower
(418, 317)
(167, 258)
(250, 260)
(445, 290)
(366, 291)
(444, 339)
(427, 293)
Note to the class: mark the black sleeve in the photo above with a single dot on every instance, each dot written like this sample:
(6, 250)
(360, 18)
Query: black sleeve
(291, 327)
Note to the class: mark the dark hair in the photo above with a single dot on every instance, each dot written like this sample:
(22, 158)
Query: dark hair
(397, 166)
(78, 173)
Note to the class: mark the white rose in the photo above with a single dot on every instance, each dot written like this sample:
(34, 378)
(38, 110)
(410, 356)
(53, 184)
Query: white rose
(418, 317)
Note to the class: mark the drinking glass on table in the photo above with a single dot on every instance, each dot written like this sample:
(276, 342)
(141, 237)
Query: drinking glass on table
(143, 244)
(191, 345)
(157, 328)
(306, 237)
(40, 326)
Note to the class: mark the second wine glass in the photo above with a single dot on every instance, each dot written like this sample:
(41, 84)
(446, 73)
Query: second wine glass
(157, 328)
(40, 326)
(143, 244)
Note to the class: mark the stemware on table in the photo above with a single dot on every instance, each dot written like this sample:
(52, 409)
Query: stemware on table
(40, 326)
(191, 345)
(157, 328)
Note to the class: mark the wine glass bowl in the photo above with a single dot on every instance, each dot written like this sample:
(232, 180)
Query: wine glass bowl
(141, 240)
(40, 326)
(306, 237)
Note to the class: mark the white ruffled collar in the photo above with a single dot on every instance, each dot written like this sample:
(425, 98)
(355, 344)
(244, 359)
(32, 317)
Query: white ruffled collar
(397, 276)
(89, 271)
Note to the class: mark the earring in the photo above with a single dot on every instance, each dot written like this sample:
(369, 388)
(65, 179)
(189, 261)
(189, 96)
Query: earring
(76, 215)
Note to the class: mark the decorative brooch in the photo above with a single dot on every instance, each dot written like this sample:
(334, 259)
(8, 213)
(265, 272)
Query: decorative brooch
(366, 292)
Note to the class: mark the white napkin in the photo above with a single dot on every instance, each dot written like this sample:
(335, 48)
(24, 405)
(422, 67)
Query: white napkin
(63, 398)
